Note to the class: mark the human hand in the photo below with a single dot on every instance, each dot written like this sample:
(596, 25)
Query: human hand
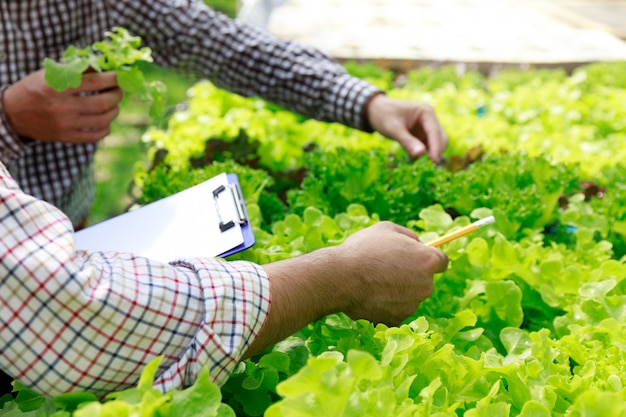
(414, 125)
(388, 272)
(381, 273)
(36, 111)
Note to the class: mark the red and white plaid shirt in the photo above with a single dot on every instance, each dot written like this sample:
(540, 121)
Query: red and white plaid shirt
(72, 320)
(182, 33)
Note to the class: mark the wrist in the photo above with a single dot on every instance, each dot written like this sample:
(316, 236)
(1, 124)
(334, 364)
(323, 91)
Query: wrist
(303, 290)
(8, 104)
(11, 105)
(11, 144)
(368, 113)
(310, 283)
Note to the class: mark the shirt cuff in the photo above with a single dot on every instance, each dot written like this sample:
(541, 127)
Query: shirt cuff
(10, 145)
(236, 305)
(347, 102)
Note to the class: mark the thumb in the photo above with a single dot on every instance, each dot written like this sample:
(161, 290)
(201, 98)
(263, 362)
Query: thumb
(411, 144)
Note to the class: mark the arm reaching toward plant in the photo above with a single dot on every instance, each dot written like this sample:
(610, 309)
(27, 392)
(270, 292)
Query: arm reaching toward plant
(72, 320)
(412, 124)
(381, 273)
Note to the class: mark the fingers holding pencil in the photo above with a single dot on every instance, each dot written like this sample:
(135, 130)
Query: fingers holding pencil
(462, 231)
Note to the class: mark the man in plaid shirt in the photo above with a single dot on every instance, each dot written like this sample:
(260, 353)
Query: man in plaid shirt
(47, 138)
(72, 320)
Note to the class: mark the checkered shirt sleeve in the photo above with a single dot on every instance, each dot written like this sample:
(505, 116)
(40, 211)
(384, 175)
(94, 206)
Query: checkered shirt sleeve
(245, 60)
(71, 320)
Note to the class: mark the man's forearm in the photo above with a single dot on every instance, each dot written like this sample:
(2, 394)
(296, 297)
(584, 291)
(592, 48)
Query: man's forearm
(381, 273)
(245, 60)
(302, 292)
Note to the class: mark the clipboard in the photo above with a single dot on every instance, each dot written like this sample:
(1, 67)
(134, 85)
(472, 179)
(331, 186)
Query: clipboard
(206, 220)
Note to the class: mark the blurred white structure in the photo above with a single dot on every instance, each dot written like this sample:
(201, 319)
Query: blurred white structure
(502, 31)
(257, 12)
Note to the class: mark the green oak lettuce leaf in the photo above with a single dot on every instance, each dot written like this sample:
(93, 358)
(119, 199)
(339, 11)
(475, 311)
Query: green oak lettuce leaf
(120, 50)
(329, 386)
(596, 403)
(27, 403)
(64, 75)
(120, 53)
(202, 399)
(132, 81)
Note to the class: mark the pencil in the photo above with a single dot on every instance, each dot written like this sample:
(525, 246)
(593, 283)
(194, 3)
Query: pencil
(462, 231)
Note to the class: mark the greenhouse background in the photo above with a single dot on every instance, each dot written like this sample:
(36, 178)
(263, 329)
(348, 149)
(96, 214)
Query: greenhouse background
(530, 318)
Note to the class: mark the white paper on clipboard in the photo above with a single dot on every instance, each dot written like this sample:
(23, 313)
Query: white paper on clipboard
(183, 225)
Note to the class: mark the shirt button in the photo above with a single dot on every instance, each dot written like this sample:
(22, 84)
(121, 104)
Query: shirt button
(3, 56)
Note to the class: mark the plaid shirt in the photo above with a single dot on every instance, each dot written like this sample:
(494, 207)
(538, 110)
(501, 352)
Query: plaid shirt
(182, 33)
(71, 320)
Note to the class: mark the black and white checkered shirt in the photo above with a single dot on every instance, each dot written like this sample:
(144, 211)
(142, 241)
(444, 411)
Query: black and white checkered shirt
(182, 33)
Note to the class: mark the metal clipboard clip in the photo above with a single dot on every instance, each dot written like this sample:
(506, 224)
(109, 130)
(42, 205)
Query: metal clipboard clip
(241, 215)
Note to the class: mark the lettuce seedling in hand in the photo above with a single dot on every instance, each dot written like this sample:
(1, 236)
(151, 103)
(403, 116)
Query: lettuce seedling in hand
(120, 53)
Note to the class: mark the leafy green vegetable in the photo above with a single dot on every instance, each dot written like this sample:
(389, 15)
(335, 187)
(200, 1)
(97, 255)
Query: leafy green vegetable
(203, 398)
(120, 53)
(529, 318)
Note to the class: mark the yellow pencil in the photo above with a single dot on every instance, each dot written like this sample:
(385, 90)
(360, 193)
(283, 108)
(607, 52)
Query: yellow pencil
(462, 231)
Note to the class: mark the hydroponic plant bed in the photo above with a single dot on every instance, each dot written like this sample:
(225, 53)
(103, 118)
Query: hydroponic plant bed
(530, 318)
